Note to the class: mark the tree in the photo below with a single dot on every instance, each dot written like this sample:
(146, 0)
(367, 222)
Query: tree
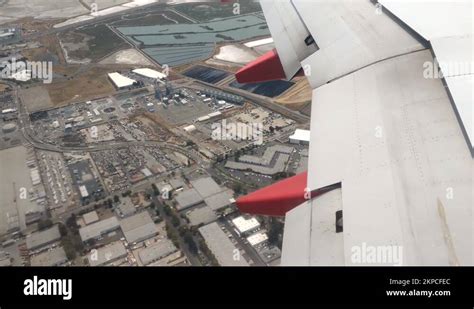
(71, 222)
(188, 239)
(207, 252)
(68, 248)
(237, 155)
(237, 187)
(116, 199)
(167, 210)
(175, 221)
(156, 192)
(127, 193)
(62, 230)
(275, 232)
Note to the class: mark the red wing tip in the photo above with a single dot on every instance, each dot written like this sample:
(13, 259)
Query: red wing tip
(266, 68)
(277, 199)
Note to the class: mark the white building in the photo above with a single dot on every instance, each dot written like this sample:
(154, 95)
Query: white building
(120, 81)
(246, 226)
(149, 73)
(257, 239)
(190, 128)
(300, 137)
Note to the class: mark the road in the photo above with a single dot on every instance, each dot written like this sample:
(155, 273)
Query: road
(261, 101)
(193, 258)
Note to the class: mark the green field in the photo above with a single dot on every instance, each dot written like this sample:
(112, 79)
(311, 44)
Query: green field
(94, 42)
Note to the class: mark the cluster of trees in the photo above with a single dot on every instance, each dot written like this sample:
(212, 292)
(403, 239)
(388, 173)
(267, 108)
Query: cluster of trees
(127, 193)
(282, 175)
(208, 253)
(188, 238)
(273, 129)
(156, 191)
(172, 235)
(107, 203)
(70, 239)
(275, 232)
(237, 187)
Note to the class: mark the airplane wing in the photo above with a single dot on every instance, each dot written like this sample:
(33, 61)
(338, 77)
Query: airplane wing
(391, 151)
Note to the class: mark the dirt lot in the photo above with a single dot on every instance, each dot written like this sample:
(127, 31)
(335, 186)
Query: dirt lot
(156, 119)
(36, 98)
(30, 25)
(50, 50)
(71, 82)
(298, 96)
(92, 83)
(3, 87)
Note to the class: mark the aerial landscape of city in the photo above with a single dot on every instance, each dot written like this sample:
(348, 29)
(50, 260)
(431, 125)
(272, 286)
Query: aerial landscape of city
(149, 144)
(236, 133)
(133, 140)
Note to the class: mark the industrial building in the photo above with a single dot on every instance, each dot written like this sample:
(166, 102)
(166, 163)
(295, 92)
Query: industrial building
(54, 257)
(164, 188)
(220, 95)
(205, 190)
(157, 251)
(120, 82)
(107, 254)
(278, 167)
(206, 186)
(174, 259)
(90, 217)
(209, 116)
(40, 239)
(221, 246)
(177, 183)
(138, 227)
(257, 239)
(98, 229)
(301, 137)
(188, 198)
(190, 128)
(267, 156)
(201, 216)
(246, 226)
(149, 73)
(220, 200)
(125, 207)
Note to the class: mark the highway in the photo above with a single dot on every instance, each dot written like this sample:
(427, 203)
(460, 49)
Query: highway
(260, 101)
